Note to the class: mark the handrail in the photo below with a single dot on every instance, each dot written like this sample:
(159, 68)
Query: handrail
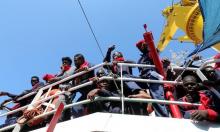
(89, 83)
(175, 68)
(141, 100)
(102, 64)
(152, 66)
(108, 99)
(48, 98)
(108, 78)
(61, 81)
(209, 62)
(66, 79)
(143, 80)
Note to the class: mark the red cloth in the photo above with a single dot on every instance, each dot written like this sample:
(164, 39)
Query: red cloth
(139, 46)
(115, 66)
(85, 64)
(188, 107)
(47, 77)
(206, 103)
(119, 59)
(66, 68)
(217, 64)
(139, 43)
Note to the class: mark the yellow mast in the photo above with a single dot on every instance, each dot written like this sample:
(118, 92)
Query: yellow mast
(186, 16)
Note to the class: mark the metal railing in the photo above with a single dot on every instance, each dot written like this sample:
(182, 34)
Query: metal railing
(87, 101)
(122, 99)
(87, 84)
(104, 64)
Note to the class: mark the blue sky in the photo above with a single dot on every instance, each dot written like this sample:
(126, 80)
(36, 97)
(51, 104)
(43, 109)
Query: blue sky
(36, 34)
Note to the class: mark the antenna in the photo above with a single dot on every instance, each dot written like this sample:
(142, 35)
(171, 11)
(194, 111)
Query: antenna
(145, 27)
(172, 4)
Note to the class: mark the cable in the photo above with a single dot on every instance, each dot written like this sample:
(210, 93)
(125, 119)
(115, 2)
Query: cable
(187, 64)
(94, 36)
(172, 3)
(90, 27)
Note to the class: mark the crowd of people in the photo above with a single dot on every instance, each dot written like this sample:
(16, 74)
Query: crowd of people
(192, 90)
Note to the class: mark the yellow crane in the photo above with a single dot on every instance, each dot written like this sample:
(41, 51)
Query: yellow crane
(186, 16)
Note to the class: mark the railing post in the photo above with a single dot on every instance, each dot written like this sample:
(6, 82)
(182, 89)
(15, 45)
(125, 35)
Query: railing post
(56, 117)
(122, 92)
(108, 99)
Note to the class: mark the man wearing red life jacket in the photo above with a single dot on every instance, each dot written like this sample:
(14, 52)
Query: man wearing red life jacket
(131, 88)
(81, 65)
(117, 57)
(156, 90)
(64, 98)
(36, 84)
(208, 109)
(39, 108)
(103, 88)
(12, 118)
(66, 70)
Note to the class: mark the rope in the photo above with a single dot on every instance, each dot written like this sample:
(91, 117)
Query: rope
(90, 27)
(172, 3)
(94, 36)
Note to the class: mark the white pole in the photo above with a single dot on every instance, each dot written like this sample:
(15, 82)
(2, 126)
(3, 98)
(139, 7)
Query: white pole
(89, 83)
(63, 80)
(209, 62)
(102, 64)
(143, 80)
(141, 100)
(110, 99)
(152, 66)
(122, 93)
(50, 97)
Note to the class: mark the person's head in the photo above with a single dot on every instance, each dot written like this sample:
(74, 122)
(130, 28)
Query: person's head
(210, 73)
(34, 80)
(117, 55)
(79, 60)
(217, 64)
(190, 84)
(66, 61)
(101, 72)
(48, 77)
(142, 46)
(104, 84)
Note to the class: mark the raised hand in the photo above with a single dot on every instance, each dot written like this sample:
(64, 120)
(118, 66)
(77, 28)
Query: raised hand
(199, 115)
(110, 49)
